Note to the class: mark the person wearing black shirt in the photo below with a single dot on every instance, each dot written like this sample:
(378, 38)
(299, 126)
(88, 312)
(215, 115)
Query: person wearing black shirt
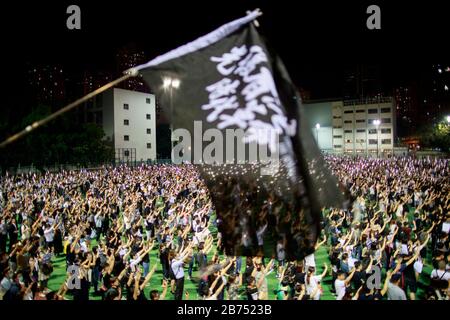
(360, 275)
(248, 269)
(57, 242)
(11, 228)
(96, 271)
(251, 289)
(409, 279)
(164, 260)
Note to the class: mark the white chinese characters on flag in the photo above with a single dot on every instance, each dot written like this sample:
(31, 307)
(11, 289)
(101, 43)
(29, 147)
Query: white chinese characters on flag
(256, 86)
(228, 80)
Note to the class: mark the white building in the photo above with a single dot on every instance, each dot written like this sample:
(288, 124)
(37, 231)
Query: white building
(129, 120)
(356, 126)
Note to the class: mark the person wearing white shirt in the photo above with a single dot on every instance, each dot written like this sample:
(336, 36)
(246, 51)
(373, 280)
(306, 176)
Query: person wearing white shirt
(446, 226)
(312, 282)
(440, 278)
(341, 283)
(49, 234)
(310, 261)
(176, 264)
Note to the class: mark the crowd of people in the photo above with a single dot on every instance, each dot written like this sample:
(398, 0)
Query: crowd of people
(119, 227)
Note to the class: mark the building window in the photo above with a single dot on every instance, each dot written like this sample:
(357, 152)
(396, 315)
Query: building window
(126, 138)
(147, 100)
(348, 141)
(361, 130)
(126, 106)
(337, 137)
(348, 131)
(348, 121)
(337, 127)
(348, 111)
(386, 120)
(372, 141)
(126, 122)
(372, 111)
(385, 110)
(386, 130)
(149, 145)
(149, 131)
(360, 111)
(385, 141)
(149, 116)
(360, 140)
(126, 153)
(337, 146)
(360, 121)
(337, 117)
(372, 131)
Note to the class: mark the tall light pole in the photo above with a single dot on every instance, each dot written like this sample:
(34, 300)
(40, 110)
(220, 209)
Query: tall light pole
(170, 84)
(377, 122)
(448, 119)
(317, 134)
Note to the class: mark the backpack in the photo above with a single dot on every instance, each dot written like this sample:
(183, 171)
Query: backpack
(439, 283)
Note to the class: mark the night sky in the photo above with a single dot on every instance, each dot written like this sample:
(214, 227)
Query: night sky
(317, 41)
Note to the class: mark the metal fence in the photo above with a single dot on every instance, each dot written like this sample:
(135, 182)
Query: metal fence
(74, 167)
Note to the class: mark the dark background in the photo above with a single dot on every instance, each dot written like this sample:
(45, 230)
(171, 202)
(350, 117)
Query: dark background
(316, 39)
(319, 41)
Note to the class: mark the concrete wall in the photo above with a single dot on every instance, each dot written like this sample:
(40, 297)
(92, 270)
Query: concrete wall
(138, 108)
(320, 113)
(347, 126)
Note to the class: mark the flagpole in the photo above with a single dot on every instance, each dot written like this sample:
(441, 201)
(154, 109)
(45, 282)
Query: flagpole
(128, 74)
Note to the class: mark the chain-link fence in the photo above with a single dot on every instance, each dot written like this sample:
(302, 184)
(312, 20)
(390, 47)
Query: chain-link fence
(73, 167)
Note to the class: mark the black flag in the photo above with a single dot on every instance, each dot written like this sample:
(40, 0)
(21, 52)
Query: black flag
(238, 117)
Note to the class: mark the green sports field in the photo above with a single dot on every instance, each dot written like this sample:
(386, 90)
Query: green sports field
(58, 277)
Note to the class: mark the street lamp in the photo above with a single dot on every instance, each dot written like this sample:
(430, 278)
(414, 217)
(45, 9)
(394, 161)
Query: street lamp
(377, 122)
(448, 119)
(170, 84)
(317, 134)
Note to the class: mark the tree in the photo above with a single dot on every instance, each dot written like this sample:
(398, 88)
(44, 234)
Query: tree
(436, 136)
(90, 146)
(58, 142)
